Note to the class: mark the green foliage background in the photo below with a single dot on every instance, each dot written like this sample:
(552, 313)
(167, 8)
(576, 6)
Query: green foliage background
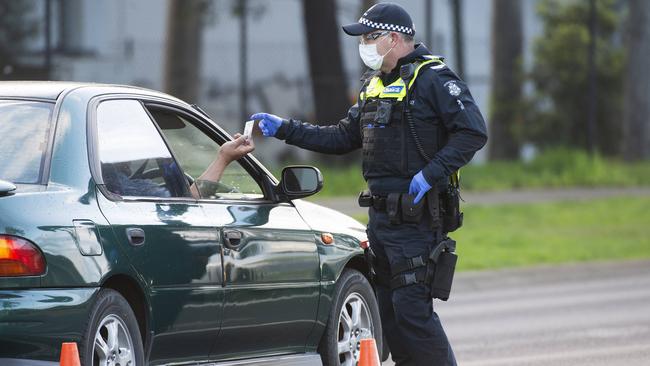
(554, 168)
(558, 111)
(519, 235)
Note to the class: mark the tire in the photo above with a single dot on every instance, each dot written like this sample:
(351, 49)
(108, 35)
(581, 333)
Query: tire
(352, 295)
(112, 327)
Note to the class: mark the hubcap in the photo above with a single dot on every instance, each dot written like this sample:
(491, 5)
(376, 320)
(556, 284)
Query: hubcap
(355, 324)
(113, 345)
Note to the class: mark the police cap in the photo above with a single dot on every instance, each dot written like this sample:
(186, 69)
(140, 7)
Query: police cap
(383, 16)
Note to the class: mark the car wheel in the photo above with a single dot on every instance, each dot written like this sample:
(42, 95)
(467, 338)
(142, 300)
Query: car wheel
(112, 336)
(353, 316)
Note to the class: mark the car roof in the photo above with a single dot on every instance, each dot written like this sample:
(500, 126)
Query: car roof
(51, 90)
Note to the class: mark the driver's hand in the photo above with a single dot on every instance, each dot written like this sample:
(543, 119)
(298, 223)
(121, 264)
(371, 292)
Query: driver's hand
(237, 148)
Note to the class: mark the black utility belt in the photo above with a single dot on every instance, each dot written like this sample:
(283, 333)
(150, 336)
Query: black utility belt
(400, 206)
(443, 209)
(366, 199)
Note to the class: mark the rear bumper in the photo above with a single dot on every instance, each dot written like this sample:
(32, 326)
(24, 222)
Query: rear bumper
(34, 323)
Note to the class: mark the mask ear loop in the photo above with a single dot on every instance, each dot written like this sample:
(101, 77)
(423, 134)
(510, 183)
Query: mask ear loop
(384, 55)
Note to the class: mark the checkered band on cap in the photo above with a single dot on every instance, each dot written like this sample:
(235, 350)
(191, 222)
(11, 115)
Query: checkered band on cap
(390, 27)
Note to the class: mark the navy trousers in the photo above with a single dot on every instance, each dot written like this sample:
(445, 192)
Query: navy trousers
(413, 330)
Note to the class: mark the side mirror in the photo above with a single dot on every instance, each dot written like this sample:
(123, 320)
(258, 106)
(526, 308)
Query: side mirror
(6, 188)
(299, 182)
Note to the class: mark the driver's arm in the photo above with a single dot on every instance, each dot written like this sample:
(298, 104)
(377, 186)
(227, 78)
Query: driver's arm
(229, 151)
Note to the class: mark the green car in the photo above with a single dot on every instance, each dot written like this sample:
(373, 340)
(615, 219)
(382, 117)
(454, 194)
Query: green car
(103, 243)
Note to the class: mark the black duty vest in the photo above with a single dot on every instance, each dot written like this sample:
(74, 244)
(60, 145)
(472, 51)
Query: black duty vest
(388, 146)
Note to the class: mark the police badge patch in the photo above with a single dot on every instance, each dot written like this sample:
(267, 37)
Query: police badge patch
(454, 90)
(394, 89)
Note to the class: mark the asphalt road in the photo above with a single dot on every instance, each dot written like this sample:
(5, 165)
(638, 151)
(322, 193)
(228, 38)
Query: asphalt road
(583, 314)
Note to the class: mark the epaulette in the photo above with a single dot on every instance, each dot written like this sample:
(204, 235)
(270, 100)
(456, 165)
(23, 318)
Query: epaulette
(438, 66)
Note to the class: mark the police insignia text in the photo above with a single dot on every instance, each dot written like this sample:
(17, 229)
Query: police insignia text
(393, 89)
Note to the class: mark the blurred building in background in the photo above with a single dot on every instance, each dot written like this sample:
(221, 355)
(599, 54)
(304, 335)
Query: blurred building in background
(124, 41)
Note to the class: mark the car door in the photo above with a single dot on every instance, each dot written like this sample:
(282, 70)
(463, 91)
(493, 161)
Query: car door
(162, 229)
(271, 262)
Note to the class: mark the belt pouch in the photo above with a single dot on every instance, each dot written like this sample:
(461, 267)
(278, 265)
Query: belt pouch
(433, 204)
(443, 275)
(392, 208)
(452, 218)
(412, 212)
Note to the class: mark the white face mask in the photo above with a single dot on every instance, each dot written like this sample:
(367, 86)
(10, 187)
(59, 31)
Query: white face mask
(370, 56)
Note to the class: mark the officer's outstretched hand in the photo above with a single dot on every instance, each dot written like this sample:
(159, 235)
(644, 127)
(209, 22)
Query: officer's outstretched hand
(419, 186)
(269, 123)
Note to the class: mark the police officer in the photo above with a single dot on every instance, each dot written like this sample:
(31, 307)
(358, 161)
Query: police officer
(416, 128)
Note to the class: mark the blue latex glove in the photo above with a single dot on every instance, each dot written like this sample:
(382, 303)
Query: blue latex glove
(419, 186)
(269, 123)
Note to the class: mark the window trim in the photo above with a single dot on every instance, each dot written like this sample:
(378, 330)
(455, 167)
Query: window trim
(199, 122)
(267, 181)
(46, 160)
(93, 153)
(169, 148)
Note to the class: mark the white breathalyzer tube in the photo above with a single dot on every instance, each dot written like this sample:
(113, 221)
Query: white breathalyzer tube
(248, 130)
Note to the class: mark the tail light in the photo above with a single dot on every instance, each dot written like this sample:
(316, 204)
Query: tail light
(364, 244)
(20, 257)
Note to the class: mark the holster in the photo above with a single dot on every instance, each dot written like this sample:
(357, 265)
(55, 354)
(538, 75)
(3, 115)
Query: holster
(440, 269)
(436, 270)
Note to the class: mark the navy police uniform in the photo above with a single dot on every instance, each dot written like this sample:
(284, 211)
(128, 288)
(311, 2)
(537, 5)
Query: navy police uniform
(450, 130)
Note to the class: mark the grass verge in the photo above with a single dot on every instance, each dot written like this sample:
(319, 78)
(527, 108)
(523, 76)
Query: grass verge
(499, 236)
(552, 169)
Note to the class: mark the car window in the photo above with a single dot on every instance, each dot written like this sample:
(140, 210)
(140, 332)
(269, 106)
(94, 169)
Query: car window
(195, 151)
(134, 158)
(24, 128)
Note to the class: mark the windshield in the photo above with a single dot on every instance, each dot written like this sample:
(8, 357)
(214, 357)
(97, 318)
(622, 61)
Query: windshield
(24, 131)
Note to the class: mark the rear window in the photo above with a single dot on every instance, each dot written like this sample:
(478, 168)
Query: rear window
(24, 131)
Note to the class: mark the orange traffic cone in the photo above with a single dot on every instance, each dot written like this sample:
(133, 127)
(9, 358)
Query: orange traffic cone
(69, 354)
(368, 355)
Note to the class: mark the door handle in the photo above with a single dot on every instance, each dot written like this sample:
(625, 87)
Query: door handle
(232, 238)
(135, 236)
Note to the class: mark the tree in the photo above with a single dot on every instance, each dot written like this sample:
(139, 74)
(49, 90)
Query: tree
(636, 118)
(558, 112)
(329, 87)
(183, 48)
(459, 38)
(506, 117)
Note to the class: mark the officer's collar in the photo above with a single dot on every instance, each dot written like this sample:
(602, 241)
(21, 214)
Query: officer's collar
(418, 52)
